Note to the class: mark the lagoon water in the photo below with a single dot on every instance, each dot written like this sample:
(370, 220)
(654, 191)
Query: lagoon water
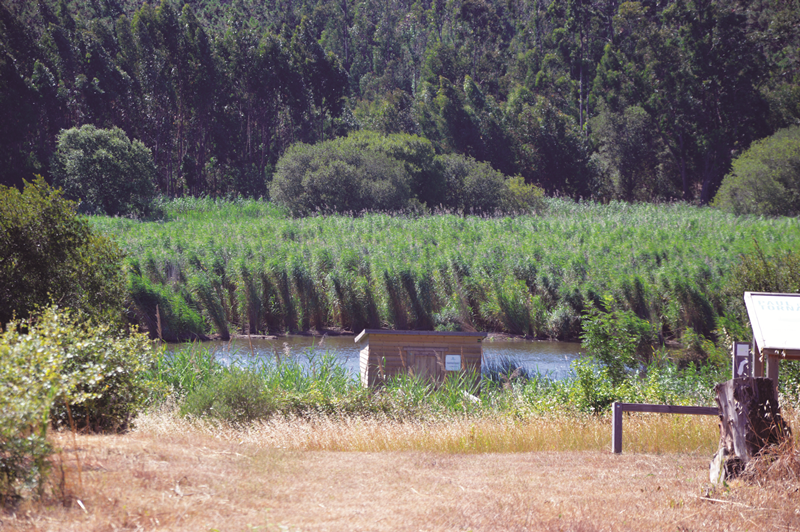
(550, 358)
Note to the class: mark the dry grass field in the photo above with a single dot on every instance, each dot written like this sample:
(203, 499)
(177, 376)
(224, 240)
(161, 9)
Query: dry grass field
(171, 474)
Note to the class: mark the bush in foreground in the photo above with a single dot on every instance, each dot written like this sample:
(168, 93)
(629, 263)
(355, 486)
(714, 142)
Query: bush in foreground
(57, 368)
(618, 338)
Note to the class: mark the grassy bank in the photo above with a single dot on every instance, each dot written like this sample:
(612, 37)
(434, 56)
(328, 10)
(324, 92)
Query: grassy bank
(258, 389)
(256, 442)
(224, 267)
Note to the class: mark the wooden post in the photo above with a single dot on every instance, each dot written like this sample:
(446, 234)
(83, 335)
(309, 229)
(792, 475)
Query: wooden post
(616, 428)
(619, 408)
(750, 420)
(758, 362)
(773, 369)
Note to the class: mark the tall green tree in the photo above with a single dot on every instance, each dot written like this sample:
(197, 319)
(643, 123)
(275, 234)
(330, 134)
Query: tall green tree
(692, 68)
(104, 170)
(628, 152)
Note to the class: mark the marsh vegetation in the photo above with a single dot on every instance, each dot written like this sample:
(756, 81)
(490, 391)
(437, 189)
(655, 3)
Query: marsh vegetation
(244, 266)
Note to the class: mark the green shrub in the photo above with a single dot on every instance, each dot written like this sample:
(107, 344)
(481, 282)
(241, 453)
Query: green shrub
(618, 338)
(592, 390)
(119, 385)
(418, 158)
(368, 171)
(472, 186)
(53, 360)
(236, 395)
(47, 253)
(521, 197)
(30, 380)
(257, 389)
(186, 368)
(103, 169)
(765, 179)
(339, 176)
(476, 187)
(756, 272)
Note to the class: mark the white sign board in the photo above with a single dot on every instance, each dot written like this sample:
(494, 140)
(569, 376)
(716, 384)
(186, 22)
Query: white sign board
(775, 319)
(452, 362)
(741, 360)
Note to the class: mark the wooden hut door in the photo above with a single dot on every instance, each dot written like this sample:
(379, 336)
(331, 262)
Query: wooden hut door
(427, 364)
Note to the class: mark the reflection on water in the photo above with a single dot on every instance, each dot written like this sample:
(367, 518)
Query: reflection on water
(550, 358)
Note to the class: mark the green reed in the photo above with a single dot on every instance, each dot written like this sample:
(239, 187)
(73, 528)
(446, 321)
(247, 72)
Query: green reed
(245, 388)
(246, 267)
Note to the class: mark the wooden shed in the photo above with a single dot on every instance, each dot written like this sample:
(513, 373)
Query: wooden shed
(428, 354)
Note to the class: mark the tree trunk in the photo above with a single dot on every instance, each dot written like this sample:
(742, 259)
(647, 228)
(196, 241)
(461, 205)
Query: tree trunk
(750, 421)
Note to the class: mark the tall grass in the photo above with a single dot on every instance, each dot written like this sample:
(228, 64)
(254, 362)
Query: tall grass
(311, 402)
(244, 389)
(245, 267)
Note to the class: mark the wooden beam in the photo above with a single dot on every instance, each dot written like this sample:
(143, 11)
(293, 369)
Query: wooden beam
(670, 409)
(758, 362)
(423, 333)
(619, 408)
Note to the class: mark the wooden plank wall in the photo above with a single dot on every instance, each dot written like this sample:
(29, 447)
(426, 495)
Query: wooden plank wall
(392, 354)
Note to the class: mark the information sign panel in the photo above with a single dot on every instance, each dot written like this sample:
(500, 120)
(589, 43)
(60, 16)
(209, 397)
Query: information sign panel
(452, 362)
(775, 319)
(741, 360)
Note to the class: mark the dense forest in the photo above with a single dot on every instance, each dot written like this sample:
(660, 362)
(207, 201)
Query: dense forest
(646, 100)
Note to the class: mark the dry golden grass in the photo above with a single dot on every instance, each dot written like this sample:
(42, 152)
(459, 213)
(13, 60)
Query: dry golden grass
(172, 474)
(654, 433)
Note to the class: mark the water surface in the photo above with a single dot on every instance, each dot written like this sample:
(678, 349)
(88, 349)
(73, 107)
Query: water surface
(550, 358)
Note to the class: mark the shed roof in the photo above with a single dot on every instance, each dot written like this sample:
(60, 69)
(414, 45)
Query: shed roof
(367, 332)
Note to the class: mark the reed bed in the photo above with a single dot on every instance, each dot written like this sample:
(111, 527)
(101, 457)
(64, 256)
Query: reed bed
(224, 267)
(243, 389)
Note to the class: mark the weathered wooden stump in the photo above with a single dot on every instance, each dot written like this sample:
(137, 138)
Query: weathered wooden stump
(750, 420)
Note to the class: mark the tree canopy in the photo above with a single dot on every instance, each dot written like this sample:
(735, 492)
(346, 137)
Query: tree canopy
(565, 95)
(50, 255)
(104, 171)
(765, 179)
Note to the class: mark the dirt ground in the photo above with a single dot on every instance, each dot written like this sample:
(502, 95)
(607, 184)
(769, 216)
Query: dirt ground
(197, 482)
